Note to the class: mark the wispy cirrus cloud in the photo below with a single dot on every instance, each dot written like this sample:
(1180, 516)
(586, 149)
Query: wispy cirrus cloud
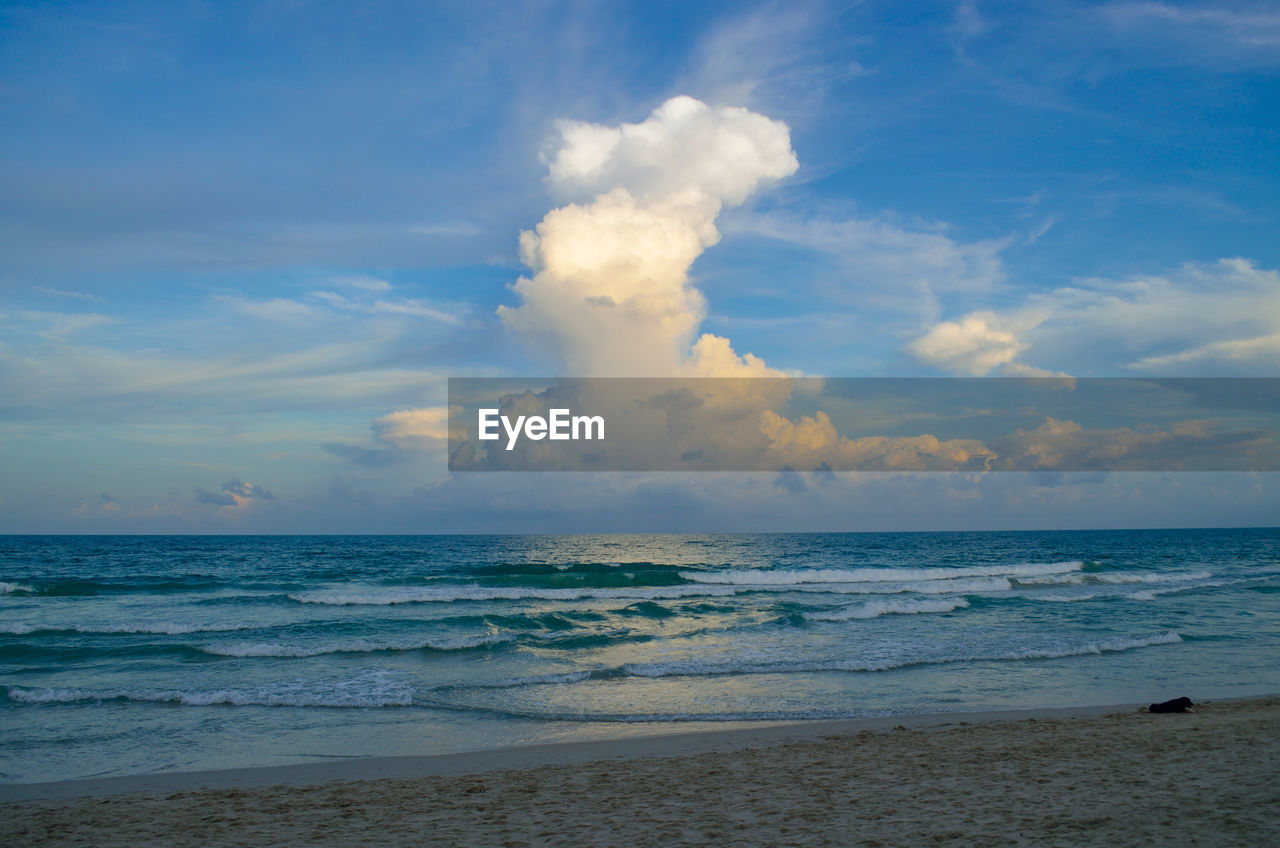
(365, 294)
(886, 259)
(1251, 27)
(54, 326)
(71, 381)
(73, 294)
(772, 58)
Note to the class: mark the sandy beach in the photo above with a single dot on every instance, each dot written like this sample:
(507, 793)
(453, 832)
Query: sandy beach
(1115, 776)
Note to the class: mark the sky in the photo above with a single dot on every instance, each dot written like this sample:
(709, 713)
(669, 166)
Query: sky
(243, 246)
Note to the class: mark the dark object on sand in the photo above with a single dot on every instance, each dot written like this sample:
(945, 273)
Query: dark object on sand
(1177, 705)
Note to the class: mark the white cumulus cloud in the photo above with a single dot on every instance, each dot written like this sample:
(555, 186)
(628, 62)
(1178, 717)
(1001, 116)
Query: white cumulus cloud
(610, 293)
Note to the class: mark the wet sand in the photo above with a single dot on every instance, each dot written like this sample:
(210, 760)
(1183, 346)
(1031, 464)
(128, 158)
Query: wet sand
(1095, 776)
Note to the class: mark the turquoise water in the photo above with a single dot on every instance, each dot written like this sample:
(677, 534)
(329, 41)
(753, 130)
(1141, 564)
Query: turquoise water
(123, 655)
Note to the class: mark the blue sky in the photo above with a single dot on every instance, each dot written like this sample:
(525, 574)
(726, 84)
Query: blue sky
(236, 239)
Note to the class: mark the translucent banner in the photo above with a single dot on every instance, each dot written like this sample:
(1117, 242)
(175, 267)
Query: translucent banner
(861, 424)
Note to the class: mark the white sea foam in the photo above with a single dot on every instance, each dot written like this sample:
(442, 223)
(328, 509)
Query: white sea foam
(967, 585)
(1070, 599)
(972, 585)
(896, 606)
(11, 588)
(357, 646)
(1051, 580)
(787, 577)
(1151, 577)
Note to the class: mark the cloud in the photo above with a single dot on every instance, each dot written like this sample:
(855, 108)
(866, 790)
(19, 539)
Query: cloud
(411, 307)
(58, 326)
(375, 457)
(1265, 348)
(364, 282)
(72, 381)
(452, 228)
(73, 294)
(610, 292)
(974, 345)
(280, 310)
(215, 498)
(108, 508)
(105, 507)
(396, 433)
(1183, 445)
(890, 259)
(772, 58)
(1249, 30)
(408, 426)
(814, 442)
(877, 425)
(363, 298)
(240, 489)
(235, 492)
(1214, 319)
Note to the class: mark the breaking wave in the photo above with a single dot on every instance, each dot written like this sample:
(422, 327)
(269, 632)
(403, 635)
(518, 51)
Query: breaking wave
(904, 606)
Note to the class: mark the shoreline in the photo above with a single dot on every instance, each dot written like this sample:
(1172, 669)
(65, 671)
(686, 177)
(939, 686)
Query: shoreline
(1082, 776)
(673, 744)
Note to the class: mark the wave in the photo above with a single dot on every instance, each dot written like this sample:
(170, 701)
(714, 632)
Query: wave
(1051, 580)
(1150, 577)
(571, 575)
(1071, 599)
(78, 588)
(705, 668)
(904, 606)
(700, 669)
(551, 679)
(515, 569)
(788, 577)
(358, 646)
(375, 596)
(1151, 594)
(389, 596)
(654, 718)
(364, 691)
(153, 628)
(647, 609)
(377, 690)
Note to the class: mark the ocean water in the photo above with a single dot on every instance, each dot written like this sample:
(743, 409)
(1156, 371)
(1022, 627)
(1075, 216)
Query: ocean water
(123, 655)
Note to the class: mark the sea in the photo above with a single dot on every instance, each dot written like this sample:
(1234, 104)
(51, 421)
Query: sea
(141, 654)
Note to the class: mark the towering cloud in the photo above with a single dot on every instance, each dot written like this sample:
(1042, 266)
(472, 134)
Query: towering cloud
(610, 293)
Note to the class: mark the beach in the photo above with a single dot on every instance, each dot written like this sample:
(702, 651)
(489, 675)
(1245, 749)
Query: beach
(1092, 776)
